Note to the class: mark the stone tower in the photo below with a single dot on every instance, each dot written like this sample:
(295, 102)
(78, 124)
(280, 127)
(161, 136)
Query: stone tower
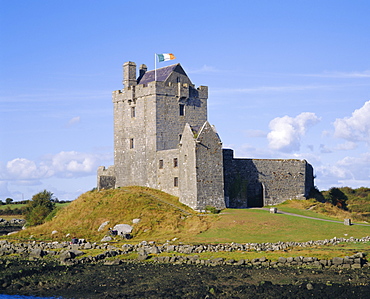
(160, 129)
(162, 140)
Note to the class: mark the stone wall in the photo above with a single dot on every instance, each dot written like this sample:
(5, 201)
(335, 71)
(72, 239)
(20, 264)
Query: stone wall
(67, 253)
(261, 182)
(106, 177)
(150, 120)
(168, 171)
(209, 169)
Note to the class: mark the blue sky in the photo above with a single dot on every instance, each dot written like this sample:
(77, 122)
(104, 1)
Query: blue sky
(287, 79)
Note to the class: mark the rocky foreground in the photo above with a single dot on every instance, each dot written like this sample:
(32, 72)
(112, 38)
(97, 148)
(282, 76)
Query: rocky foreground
(74, 271)
(71, 254)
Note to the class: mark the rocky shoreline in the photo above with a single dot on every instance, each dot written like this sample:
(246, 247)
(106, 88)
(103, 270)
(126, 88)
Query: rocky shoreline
(134, 279)
(70, 271)
(71, 254)
(11, 226)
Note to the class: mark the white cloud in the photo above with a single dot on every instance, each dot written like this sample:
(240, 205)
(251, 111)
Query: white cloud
(355, 128)
(269, 89)
(324, 149)
(349, 169)
(286, 132)
(363, 74)
(204, 70)
(349, 145)
(74, 120)
(255, 133)
(64, 165)
(23, 169)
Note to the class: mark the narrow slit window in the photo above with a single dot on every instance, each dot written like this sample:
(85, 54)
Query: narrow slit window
(131, 142)
(133, 112)
(182, 109)
(175, 162)
(176, 181)
(160, 164)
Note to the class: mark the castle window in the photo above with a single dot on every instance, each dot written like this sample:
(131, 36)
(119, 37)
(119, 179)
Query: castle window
(178, 79)
(160, 164)
(176, 181)
(180, 136)
(133, 112)
(131, 142)
(175, 162)
(182, 109)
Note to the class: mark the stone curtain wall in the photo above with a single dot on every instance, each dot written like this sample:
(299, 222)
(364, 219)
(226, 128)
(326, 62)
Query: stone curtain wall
(260, 182)
(106, 178)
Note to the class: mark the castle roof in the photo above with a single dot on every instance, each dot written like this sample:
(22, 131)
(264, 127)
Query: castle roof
(162, 73)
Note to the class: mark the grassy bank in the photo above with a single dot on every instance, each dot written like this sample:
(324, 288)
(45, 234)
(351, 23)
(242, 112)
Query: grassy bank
(163, 217)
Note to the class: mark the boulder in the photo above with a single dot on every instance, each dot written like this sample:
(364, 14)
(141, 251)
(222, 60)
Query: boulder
(142, 255)
(106, 239)
(69, 255)
(113, 262)
(154, 250)
(123, 229)
(337, 260)
(37, 253)
(103, 225)
(87, 245)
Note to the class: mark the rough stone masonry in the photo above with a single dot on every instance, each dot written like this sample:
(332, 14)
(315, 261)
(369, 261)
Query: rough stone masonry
(162, 140)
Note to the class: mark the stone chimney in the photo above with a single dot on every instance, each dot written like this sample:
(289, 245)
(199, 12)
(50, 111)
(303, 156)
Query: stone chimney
(142, 71)
(129, 74)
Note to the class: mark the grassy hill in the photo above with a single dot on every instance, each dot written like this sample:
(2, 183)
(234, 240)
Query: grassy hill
(163, 218)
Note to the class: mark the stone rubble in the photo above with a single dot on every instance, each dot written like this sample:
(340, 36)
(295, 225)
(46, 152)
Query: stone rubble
(68, 252)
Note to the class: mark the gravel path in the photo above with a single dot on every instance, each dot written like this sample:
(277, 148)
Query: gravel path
(308, 217)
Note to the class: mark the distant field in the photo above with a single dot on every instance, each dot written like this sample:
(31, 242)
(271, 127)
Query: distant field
(12, 206)
(18, 206)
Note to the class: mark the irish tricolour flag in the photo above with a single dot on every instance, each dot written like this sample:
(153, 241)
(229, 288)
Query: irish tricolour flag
(165, 57)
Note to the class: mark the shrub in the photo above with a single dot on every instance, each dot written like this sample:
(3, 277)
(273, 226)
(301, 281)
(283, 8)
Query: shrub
(212, 210)
(39, 208)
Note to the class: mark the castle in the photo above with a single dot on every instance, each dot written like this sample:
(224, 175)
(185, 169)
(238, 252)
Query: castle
(162, 140)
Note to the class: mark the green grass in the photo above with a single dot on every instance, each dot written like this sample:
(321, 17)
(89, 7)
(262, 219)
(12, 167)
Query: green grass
(260, 226)
(322, 252)
(20, 205)
(161, 222)
(12, 206)
(306, 213)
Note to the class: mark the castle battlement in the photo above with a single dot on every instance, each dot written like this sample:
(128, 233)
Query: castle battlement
(162, 140)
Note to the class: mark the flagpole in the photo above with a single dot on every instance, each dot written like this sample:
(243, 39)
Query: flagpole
(155, 67)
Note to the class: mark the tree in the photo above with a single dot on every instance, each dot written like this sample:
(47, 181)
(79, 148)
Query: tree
(336, 197)
(8, 201)
(39, 208)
